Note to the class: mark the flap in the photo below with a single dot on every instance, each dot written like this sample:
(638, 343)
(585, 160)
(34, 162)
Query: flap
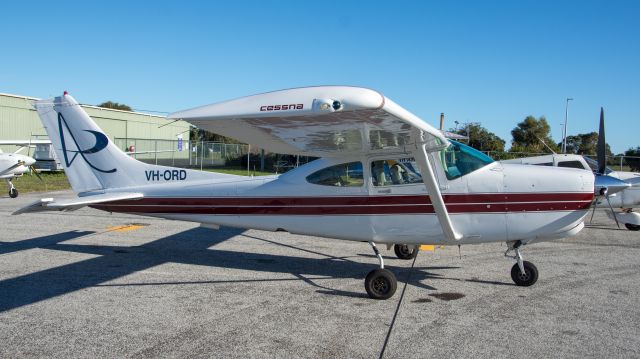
(325, 121)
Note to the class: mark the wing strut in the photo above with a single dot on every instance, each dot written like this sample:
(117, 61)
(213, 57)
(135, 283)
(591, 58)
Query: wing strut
(429, 178)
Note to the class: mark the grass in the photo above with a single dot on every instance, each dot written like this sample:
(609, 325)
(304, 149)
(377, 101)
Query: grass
(55, 181)
(51, 181)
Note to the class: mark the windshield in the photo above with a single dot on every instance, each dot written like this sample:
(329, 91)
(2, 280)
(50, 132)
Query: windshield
(594, 165)
(459, 160)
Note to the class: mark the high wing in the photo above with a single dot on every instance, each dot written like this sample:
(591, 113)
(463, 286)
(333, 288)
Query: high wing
(24, 142)
(324, 121)
(328, 121)
(49, 204)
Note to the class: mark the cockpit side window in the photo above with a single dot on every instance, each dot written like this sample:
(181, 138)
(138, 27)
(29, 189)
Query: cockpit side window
(459, 160)
(342, 175)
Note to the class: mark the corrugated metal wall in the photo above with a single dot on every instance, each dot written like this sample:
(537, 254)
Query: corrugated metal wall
(19, 121)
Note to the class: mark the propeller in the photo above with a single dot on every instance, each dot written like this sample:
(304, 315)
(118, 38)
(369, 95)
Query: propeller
(605, 185)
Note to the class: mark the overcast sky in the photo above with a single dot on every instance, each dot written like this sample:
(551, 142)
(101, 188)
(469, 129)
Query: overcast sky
(493, 62)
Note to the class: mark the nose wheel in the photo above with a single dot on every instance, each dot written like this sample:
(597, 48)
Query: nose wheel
(13, 192)
(380, 283)
(523, 273)
(526, 277)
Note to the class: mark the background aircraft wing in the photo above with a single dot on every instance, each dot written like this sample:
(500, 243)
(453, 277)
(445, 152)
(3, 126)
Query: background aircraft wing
(8, 169)
(49, 204)
(325, 121)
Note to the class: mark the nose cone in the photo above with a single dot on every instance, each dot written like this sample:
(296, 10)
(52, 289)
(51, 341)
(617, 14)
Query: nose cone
(609, 184)
(24, 160)
(28, 161)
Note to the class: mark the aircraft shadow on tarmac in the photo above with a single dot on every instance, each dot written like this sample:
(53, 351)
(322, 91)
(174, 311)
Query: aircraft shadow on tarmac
(188, 247)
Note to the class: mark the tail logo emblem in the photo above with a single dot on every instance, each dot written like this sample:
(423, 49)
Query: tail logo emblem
(101, 143)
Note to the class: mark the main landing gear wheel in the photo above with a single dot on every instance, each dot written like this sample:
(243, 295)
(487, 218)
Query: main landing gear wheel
(632, 227)
(528, 278)
(381, 284)
(13, 192)
(404, 251)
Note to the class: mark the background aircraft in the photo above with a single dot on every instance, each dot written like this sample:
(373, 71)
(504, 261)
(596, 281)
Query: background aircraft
(384, 176)
(14, 165)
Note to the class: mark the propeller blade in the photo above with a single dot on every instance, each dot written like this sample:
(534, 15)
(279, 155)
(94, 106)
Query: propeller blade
(33, 170)
(602, 161)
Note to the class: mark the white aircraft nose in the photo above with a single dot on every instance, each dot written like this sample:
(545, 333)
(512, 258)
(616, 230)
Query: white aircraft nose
(28, 161)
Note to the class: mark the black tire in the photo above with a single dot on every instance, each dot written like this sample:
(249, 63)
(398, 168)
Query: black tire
(13, 193)
(530, 276)
(632, 227)
(404, 251)
(380, 284)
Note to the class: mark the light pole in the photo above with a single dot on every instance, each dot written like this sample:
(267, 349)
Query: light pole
(566, 118)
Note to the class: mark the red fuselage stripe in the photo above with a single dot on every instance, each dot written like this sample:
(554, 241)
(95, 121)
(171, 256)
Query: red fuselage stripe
(354, 205)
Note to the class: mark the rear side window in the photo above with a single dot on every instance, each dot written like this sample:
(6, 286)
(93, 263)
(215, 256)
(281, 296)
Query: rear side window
(342, 175)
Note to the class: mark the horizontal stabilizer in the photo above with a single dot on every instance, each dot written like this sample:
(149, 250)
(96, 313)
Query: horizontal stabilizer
(72, 204)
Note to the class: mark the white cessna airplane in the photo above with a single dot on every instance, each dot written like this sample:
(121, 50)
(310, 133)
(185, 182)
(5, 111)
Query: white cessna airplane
(384, 176)
(13, 165)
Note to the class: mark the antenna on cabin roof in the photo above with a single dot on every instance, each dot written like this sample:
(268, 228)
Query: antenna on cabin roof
(545, 145)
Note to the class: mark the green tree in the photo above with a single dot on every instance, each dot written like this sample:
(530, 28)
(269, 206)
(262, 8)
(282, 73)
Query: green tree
(115, 106)
(198, 134)
(480, 138)
(634, 161)
(585, 144)
(529, 134)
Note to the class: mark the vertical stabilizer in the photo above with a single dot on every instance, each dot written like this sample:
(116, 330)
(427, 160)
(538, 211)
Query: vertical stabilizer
(91, 161)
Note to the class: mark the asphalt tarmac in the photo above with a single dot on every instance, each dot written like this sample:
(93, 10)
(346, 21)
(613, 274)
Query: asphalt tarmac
(92, 284)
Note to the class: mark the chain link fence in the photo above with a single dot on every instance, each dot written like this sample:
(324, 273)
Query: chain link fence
(206, 154)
